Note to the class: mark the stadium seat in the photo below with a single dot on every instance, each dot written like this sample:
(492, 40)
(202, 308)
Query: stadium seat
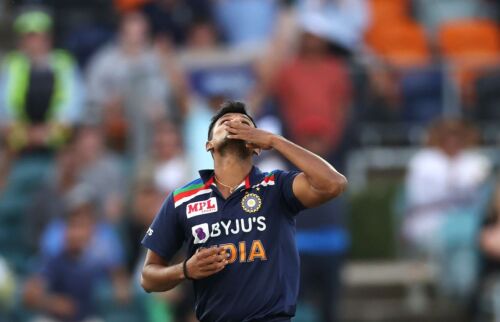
(389, 10)
(471, 46)
(488, 97)
(402, 44)
(466, 40)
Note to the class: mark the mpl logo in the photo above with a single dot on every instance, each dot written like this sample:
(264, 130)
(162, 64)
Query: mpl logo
(201, 207)
(200, 233)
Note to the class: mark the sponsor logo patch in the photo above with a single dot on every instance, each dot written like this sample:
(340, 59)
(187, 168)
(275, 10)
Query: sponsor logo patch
(200, 233)
(149, 232)
(201, 207)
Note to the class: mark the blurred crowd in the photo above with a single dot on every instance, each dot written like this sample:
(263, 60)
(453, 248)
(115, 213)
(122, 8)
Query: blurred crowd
(104, 109)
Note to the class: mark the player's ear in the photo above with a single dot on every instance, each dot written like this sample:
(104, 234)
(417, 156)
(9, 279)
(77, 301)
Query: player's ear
(209, 146)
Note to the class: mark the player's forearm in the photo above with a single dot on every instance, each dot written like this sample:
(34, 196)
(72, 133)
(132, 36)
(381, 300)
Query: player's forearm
(158, 278)
(321, 175)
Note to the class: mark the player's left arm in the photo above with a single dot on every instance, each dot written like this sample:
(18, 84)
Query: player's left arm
(318, 182)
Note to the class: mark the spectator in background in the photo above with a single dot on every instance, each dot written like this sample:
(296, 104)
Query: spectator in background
(146, 201)
(171, 19)
(128, 89)
(322, 238)
(446, 189)
(65, 287)
(48, 203)
(442, 176)
(212, 69)
(247, 23)
(105, 245)
(101, 170)
(342, 22)
(41, 93)
(168, 163)
(314, 83)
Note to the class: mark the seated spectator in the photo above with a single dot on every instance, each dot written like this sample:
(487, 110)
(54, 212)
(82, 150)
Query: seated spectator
(48, 202)
(315, 84)
(441, 177)
(447, 189)
(169, 164)
(128, 89)
(105, 245)
(146, 201)
(64, 289)
(41, 93)
(100, 170)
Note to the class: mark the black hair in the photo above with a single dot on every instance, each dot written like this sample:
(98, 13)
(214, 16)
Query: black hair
(228, 107)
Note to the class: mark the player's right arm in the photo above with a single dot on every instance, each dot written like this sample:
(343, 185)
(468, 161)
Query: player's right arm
(158, 276)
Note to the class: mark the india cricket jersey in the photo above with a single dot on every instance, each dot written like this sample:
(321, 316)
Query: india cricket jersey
(256, 224)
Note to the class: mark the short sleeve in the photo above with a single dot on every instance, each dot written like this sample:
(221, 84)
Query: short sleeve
(284, 180)
(165, 235)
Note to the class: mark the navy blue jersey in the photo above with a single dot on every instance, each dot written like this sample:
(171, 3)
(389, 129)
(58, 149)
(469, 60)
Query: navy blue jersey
(256, 224)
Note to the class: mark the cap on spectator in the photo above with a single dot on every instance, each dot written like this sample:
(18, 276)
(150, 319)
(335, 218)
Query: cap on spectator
(33, 21)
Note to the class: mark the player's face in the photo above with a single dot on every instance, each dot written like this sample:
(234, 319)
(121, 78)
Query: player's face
(220, 133)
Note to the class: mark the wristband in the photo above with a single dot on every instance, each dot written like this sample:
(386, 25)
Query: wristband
(184, 270)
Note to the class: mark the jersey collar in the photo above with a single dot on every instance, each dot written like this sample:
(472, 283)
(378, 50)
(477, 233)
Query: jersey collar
(254, 177)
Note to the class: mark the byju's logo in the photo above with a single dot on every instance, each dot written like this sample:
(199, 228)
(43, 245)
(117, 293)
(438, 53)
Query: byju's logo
(200, 233)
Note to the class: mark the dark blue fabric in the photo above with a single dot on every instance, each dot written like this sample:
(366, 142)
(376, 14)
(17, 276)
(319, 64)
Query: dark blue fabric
(422, 92)
(258, 289)
(76, 278)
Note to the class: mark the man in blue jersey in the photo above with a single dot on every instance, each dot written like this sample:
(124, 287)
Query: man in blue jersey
(238, 224)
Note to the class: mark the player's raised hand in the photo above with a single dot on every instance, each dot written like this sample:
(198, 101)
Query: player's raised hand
(206, 262)
(255, 138)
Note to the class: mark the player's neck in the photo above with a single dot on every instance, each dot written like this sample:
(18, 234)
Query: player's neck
(231, 170)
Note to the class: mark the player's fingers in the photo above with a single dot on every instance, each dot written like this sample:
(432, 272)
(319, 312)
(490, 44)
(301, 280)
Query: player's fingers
(231, 129)
(212, 259)
(207, 252)
(237, 125)
(217, 266)
(236, 136)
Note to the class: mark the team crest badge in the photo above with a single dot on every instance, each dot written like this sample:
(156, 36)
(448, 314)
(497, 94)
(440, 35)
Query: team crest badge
(251, 203)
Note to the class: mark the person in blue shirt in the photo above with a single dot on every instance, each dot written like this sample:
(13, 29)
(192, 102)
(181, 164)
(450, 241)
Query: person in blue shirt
(238, 224)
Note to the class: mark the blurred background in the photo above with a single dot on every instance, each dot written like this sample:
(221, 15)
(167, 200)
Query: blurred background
(104, 109)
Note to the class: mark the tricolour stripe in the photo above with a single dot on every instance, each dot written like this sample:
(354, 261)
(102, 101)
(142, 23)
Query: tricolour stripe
(194, 186)
(191, 196)
(267, 181)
